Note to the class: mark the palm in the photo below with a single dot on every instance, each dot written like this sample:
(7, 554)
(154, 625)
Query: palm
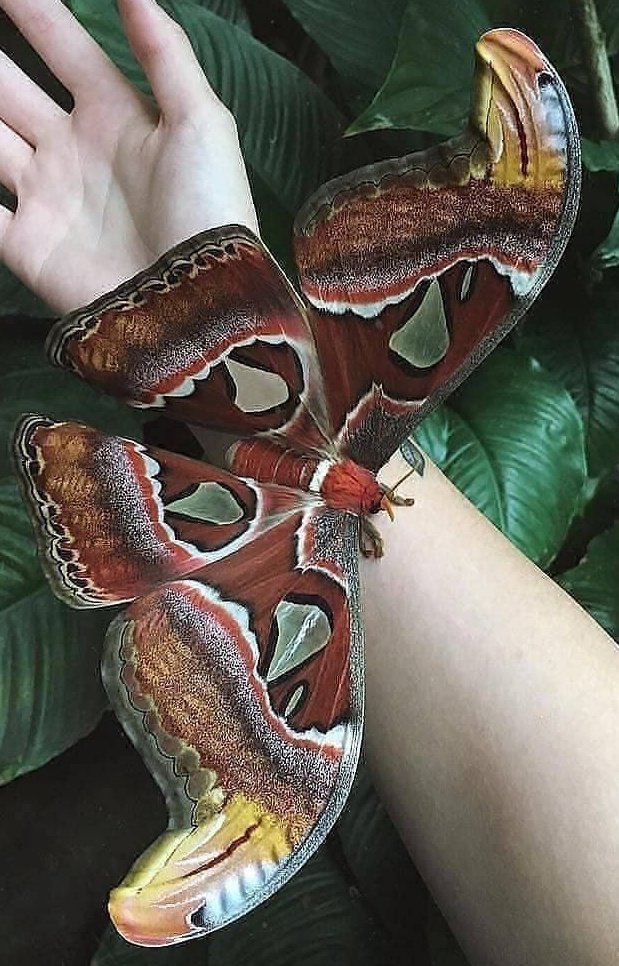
(100, 198)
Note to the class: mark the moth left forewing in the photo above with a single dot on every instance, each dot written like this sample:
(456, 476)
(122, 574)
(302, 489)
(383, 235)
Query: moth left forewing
(416, 267)
(244, 695)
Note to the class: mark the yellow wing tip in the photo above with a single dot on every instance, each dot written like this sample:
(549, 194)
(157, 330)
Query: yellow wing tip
(193, 880)
(507, 43)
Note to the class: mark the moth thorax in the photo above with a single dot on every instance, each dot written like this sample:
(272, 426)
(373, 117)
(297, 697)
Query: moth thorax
(348, 486)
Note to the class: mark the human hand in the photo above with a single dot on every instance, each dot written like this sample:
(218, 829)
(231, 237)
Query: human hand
(104, 190)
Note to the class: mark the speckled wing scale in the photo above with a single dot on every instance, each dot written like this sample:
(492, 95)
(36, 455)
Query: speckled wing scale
(216, 670)
(236, 667)
(417, 267)
(213, 333)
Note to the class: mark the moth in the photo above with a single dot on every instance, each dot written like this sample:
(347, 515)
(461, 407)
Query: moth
(236, 667)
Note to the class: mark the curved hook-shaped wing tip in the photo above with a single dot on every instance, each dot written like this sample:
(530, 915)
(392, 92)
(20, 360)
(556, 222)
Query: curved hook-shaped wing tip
(521, 110)
(507, 45)
(193, 880)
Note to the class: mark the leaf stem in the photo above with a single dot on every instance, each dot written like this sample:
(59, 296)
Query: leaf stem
(593, 45)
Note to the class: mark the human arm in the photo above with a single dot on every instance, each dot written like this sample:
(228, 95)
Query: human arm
(493, 733)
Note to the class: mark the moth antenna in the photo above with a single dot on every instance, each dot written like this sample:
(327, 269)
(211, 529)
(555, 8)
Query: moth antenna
(390, 493)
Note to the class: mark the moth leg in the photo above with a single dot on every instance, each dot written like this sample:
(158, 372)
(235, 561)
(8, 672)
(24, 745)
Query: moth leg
(401, 500)
(371, 543)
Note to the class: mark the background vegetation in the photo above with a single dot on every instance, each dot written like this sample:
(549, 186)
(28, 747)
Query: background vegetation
(532, 438)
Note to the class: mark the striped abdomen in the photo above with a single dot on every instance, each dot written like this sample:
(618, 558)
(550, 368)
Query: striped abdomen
(342, 484)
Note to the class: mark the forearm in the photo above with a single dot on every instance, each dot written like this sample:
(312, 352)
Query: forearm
(493, 734)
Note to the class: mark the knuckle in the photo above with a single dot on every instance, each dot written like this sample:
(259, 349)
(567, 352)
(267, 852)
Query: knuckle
(177, 32)
(159, 43)
(225, 116)
(214, 113)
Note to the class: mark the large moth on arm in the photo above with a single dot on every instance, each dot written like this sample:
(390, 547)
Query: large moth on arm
(236, 667)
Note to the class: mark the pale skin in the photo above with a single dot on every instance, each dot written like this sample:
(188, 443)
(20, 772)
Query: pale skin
(492, 698)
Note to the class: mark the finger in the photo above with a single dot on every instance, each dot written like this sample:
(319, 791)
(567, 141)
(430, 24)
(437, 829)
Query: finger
(15, 154)
(67, 49)
(23, 105)
(165, 53)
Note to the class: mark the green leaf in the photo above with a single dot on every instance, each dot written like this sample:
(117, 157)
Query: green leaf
(275, 223)
(50, 691)
(290, 132)
(16, 299)
(231, 10)
(515, 449)
(608, 12)
(32, 385)
(598, 511)
(442, 944)
(600, 155)
(428, 85)
(553, 26)
(359, 36)
(579, 345)
(314, 919)
(115, 951)
(383, 870)
(606, 255)
(22, 341)
(19, 568)
(594, 582)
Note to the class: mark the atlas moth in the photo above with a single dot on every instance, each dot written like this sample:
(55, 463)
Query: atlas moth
(237, 667)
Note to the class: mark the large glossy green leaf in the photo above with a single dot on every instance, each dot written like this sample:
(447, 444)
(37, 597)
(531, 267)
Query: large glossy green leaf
(579, 345)
(428, 85)
(16, 299)
(232, 10)
(50, 691)
(553, 25)
(275, 223)
(515, 448)
(606, 255)
(608, 12)
(115, 951)
(594, 582)
(443, 947)
(383, 871)
(600, 155)
(314, 920)
(290, 132)
(359, 36)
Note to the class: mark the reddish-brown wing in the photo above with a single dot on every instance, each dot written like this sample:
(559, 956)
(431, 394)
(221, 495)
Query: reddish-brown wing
(416, 267)
(244, 695)
(413, 268)
(114, 518)
(238, 674)
(213, 333)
